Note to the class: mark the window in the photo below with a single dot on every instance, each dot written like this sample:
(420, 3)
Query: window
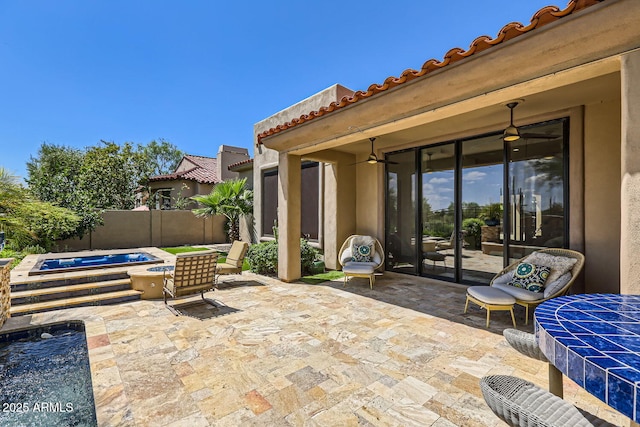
(310, 194)
(163, 198)
(269, 201)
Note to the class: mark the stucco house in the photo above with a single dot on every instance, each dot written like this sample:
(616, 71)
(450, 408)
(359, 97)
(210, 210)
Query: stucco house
(194, 175)
(568, 81)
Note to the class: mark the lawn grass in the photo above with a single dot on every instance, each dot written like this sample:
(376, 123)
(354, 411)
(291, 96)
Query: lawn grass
(222, 257)
(322, 277)
(182, 249)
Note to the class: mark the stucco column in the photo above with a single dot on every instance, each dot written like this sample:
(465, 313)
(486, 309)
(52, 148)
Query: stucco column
(630, 190)
(340, 207)
(289, 208)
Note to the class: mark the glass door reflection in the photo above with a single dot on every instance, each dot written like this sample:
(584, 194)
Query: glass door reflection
(482, 208)
(401, 207)
(437, 166)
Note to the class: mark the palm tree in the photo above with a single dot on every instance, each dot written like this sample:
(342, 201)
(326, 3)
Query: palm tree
(229, 198)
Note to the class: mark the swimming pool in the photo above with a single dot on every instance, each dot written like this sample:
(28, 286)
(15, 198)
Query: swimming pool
(46, 378)
(83, 261)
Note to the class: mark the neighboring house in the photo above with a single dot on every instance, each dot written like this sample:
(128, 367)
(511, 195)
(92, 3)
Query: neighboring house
(194, 175)
(572, 179)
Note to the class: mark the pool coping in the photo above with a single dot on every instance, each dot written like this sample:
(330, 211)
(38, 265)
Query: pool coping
(37, 271)
(20, 274)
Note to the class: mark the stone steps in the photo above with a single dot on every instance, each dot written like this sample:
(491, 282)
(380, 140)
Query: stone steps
(54, 292)
(88, 300)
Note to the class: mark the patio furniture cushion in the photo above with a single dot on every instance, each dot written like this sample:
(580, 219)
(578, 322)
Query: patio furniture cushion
(559, 264)
(518, 293)
(359, 267)
(553, 287)
(521, 403)
(362, 252)
(503, 279)
(491, 295)
(529, 276)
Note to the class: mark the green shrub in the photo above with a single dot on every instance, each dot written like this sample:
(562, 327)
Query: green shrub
(263, 257)
(473, 228)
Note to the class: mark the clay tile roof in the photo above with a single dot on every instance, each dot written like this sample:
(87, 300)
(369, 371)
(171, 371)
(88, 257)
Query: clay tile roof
(203, 172)
(233, 166)
(542, 17)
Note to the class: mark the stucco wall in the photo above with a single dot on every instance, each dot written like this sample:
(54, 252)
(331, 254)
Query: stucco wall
(5, 289)
(181, 188)
(602, 197)
(130, 229)
(265, 159)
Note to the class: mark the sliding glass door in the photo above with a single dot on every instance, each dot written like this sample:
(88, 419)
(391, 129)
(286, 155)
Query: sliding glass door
(402, 255)
(437, 173)
(464, 209)
(481, 207)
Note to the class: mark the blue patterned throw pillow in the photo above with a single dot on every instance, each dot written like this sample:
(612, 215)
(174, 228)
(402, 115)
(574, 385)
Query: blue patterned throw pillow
(530, 277)
(361, 253)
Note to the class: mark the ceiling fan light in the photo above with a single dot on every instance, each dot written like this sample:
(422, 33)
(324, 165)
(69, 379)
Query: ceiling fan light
(511, 134)
(372, 160)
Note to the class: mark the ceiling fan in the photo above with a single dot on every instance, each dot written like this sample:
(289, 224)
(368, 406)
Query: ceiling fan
(373, 159)
(512, 133)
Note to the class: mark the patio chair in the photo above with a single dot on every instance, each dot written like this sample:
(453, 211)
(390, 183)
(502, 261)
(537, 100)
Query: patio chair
(526, 344)
(234, 261)
(520, 403)
(194, 273)
(566, 265)
(451, 243)
(555, 287)
(361, 256)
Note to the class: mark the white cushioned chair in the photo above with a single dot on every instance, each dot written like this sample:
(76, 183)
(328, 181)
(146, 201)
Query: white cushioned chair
(563, 274)
(361, 256)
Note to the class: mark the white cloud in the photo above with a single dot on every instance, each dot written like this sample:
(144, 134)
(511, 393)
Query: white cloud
(474, 176)
(439, 181)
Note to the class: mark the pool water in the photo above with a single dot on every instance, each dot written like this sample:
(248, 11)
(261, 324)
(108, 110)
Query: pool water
(85, 262)
(46, 381)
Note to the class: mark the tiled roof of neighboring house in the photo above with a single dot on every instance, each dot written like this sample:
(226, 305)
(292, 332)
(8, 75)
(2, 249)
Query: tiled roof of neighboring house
(203, 172)
(542, 17)
(239, 164)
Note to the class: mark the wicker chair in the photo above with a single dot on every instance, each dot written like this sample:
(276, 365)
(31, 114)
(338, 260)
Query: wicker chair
(575, 271)
(520, 403)
(194, 273)
(352, 268)
(526, 344)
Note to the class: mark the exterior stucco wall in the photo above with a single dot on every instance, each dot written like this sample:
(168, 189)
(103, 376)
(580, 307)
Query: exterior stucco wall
(180, 188)
(266, 159)
(131, 229)
(228, 155)
(602, 197)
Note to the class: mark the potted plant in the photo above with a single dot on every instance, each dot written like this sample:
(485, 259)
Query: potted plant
(491, 214)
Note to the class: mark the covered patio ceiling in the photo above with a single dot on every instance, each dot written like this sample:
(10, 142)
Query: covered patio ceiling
(482, 114)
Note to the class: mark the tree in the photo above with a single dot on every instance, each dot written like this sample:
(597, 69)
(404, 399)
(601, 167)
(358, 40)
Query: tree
(109, 175)
(99, 177)
(229, 198)
(158, 158)
(28, 221)
(54, 176)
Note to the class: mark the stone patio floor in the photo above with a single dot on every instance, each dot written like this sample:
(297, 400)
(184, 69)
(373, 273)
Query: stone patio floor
(292, 354)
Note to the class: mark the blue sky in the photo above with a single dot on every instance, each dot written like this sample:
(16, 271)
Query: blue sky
(201, 73)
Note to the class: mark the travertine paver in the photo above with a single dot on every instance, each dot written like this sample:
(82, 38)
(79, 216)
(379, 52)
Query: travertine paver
(297, 354)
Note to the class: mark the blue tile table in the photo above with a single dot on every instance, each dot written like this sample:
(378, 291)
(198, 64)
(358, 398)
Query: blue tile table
(594, 339)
